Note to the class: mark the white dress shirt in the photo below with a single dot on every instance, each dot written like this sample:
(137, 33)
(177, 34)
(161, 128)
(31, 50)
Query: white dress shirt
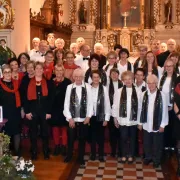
(107, 106)
(165, 117)
(37, 56)
(122, 68)
(89, 103)
(82, 63)
(116, 106)
(160, 72)
(109, 69)
(139, 88)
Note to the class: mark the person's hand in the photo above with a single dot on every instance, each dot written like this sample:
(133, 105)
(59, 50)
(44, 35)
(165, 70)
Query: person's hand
(86, 121)
(105, 123)
(116, 123)
(71, 123)
(22, 113)
(140, 127)
(48, 116)
(161, 130)
(178, 116)
(29, 116)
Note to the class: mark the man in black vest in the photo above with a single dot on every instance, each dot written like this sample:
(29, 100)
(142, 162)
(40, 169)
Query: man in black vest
(171, 47)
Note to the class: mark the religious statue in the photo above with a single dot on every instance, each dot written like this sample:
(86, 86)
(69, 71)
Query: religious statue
(6, 14)
(82, 13)
(168, 11)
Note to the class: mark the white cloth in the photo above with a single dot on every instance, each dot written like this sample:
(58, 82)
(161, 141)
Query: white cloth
(37, 56)
(107, 106)
(166, 89)
(160, 72)
(67, 112)
(82, 63)
(165, 117)
(116, 106)
(124, 68)
(139, 88)
(31, 52)
(109, 69)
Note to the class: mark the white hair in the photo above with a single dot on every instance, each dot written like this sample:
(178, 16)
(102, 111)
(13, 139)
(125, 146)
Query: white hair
(72, 45)
(98, 45)
(59, 39)
(80, 38)
(152, 77)
(78, 71)
(171, 40)
(36, 39)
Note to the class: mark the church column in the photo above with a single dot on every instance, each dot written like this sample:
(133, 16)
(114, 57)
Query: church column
(152, 20)
(147, 14)
(103, 15)
(20, 37)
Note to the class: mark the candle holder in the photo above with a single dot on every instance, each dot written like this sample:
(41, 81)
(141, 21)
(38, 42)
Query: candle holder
(125, 15)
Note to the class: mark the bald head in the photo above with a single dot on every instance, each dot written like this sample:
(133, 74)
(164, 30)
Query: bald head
(171, 45)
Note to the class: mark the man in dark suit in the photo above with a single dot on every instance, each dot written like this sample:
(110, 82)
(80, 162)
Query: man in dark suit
(5, 52)
(171, 47)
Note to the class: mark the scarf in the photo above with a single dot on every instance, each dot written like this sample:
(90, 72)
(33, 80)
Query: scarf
(111, 89)
(102, 76)
(48, 70)
(177, 69)
(15, 90)
(74, 103)
(157, 114)
(100, 111)
(107, 67)
(171, 87)
(73, 66)
(31, 92)
(123, 104)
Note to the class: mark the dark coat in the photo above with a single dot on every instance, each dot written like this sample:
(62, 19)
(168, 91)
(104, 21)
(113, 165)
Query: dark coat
(57, 117)
(161, 58)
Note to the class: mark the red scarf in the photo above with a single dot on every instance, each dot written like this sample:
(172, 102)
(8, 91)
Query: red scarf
(31, 93)
(56, 82)
(177, 89)
(66, 66)
(15, 90)
(48, 70)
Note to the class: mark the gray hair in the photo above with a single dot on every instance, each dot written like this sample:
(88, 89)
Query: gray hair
(152, 77)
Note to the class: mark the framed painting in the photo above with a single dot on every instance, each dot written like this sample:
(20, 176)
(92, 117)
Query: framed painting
(132, 9)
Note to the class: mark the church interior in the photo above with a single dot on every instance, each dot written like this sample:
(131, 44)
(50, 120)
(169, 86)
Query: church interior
(129, 23)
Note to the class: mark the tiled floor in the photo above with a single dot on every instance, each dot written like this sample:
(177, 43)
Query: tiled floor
(112, 169)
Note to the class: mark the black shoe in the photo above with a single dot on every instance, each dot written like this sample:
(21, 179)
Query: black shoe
(63, 150)
(147, 161)
(101, 158)
(93, 157)
(178, 172)
(67, 159)
(156, 165)
(46, 154)
(113, 155)
(57, 150)
(82, 162)
(34, 155)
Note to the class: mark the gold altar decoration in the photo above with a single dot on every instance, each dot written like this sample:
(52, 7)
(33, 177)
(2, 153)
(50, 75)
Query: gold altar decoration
(6, 15)
(117, 8)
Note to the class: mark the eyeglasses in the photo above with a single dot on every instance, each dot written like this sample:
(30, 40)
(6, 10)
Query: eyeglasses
(7, 72)
(169, 66)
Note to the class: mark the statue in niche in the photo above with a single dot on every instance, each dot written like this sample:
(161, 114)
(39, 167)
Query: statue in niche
(168, 11)
(6, 14)
(82, 13)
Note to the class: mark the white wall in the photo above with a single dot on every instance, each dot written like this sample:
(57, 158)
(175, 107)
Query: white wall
(20, 36)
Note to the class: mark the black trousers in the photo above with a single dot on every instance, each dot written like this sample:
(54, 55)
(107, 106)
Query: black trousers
(113, 135)
(153, 145)
(169, 140)
(128, 140)
(80, 131)
(97, 136)
(39, 119)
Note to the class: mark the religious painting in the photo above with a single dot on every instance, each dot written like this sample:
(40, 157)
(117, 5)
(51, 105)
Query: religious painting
(6, 15)
(121, 9)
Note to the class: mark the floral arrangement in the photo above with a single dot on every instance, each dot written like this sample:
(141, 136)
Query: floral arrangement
(24, 168)
(4, 143)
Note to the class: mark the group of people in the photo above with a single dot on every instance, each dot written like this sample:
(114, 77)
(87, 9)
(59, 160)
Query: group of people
(78, 93)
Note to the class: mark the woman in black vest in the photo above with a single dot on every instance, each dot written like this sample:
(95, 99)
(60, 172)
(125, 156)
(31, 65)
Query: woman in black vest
(101, 115)
(94, 65)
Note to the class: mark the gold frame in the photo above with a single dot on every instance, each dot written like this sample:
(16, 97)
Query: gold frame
(120, 28)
